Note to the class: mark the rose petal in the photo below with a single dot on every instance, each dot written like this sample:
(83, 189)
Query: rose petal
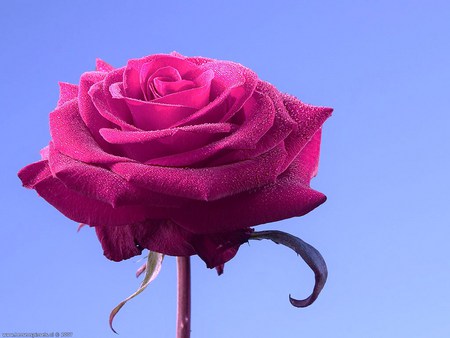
(34, 173)
(44, 152)
(304, 167)
(124, 242)
(148, 115)
(88, 112)
(114, 110)
(309, 119)
(102, 66)
(91, 181)
(143, 146)
(133, 75)
(284, 199)
(148, 83)
(67, 92)
(206, 184)
(257, 117)
(198, 60)
(71, 136)
(231, 87)
(197, 97)
(217, 249)
(77, 207)
(119, 242)
(290, 196)
(104, 185)
(282, 126)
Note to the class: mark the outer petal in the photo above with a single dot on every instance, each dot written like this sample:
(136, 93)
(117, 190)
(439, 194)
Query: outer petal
(289, 196)
(309, 119)
(120, 242)
(282, 126)
(206, 183)
(106, 186)
(67, 92)
(167, 237)
(198, 60)
(89, 114)
(305, 165)
(34, 173)
(71, 136)
(77, 207)
(102, 66)
(217, 249)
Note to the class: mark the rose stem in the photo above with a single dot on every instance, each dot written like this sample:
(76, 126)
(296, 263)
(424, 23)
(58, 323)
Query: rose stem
(184, 297)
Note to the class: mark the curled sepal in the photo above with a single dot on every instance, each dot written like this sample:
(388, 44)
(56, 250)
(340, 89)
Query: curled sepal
(152, 268)
(310, 255)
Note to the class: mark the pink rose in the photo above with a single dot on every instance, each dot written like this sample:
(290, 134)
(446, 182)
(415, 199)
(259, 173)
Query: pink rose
(179, 155)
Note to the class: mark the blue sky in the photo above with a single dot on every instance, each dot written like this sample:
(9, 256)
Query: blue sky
(382, 65)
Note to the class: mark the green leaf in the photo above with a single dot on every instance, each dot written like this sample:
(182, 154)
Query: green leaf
(153, 267)
(310, 255)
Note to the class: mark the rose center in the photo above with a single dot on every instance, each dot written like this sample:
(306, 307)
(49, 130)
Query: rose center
(167, 80)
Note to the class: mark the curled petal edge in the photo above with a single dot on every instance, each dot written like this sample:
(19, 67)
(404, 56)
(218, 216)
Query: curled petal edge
(310, 255)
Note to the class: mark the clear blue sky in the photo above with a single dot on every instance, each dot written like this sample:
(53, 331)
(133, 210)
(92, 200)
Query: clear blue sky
(385, 68)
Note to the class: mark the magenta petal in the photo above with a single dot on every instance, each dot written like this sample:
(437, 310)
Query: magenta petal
(118, 242)
(77, 207)
(305, 165)
(106, 186)
(34, 173)
(231, 87)
(206, 184)
(148, 80)
(91, 181)
(67, 92)
(145, 145)
(217, 249)
(113, 110)
(123, 242)
(71, 136)
(117, 107)
(88, 112)
(196, 97)
(258, 116)
(102, 66)
(284, 199)
(149, 115)
(198, 60)
(44, 152)
(126, 137)
(282, 126)
(309, 119)
(133, 75)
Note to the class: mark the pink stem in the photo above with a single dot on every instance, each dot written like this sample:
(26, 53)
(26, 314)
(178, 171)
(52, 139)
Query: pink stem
(184, 297)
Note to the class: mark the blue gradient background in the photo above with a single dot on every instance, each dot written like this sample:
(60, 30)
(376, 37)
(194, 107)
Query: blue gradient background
(385, 68)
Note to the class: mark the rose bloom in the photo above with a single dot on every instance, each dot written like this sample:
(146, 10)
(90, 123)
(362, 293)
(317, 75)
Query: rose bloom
(179, 155)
